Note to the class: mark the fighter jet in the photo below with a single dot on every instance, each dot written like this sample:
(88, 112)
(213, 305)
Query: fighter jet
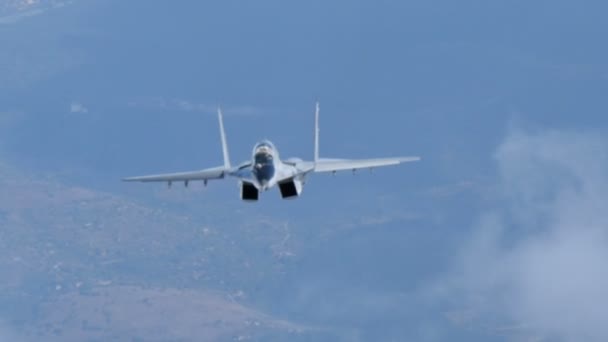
(266, 169)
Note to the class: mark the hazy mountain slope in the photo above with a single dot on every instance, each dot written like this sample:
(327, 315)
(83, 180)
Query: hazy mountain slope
(153, 314)
(82, 265)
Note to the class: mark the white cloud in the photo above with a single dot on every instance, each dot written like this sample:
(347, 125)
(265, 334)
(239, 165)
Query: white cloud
(540, 261)
(76, 107)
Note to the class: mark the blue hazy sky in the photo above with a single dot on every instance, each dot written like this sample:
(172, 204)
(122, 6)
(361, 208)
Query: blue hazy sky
(506, 102)
(434, 78)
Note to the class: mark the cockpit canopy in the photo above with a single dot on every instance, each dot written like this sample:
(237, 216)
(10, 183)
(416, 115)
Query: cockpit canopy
(263, 153)
(263, 149)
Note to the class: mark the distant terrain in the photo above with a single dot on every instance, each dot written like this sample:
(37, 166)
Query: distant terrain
(74, 265)
(81, 264)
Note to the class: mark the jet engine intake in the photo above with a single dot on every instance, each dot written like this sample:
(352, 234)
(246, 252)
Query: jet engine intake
(249, 192)
(290, 188)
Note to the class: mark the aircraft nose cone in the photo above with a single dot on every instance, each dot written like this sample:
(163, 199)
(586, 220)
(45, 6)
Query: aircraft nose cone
(264, 174)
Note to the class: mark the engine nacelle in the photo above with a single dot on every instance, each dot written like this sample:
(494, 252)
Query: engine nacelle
(291, 188)
(249, 192)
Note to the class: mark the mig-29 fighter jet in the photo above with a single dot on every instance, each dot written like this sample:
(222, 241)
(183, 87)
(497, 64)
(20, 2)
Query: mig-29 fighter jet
(266, 169)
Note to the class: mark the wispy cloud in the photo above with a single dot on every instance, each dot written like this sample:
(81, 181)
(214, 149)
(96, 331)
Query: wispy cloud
(183, 105)
(14, 11)
(539, 261)
(76, 107)
(13, 18)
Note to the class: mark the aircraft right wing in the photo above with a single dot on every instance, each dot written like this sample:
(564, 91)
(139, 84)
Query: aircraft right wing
(206, 174)
(331, 165)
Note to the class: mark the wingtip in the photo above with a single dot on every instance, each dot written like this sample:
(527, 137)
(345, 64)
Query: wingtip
(410, 159)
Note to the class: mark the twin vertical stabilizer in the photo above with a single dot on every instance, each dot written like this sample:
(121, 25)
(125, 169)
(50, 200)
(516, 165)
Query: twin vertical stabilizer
(316, 157)
(223, 136)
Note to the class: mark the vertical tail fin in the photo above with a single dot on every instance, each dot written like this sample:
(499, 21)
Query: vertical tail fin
(223, 136)
(316, 156)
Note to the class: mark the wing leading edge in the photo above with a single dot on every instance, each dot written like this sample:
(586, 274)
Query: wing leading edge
(206, 174)
(332, 165)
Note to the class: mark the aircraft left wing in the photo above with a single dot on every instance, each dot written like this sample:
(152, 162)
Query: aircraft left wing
(331, 165)
(206, 174)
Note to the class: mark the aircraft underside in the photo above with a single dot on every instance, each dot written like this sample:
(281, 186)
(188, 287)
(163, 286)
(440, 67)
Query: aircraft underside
(288, 189)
